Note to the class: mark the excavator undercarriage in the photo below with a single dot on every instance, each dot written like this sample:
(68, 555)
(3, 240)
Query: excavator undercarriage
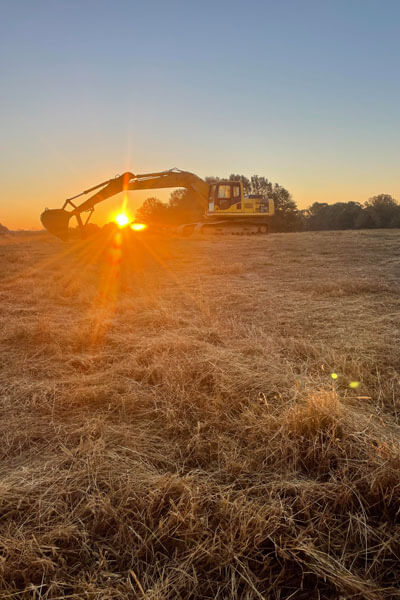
(224, 227)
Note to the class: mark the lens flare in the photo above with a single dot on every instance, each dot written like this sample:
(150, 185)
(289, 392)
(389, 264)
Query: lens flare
(138, 226)
(122, 220)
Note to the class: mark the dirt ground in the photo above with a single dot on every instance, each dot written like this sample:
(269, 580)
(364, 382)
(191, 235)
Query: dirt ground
(200, 418)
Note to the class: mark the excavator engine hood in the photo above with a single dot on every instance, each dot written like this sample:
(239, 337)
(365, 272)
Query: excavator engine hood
(56, 221)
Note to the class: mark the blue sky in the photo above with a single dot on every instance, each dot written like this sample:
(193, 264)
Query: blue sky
(306, 93)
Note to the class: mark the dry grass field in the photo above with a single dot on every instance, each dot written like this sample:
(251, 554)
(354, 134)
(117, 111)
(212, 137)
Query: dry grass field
(170, 428)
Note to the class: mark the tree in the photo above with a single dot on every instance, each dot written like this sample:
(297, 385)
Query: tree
(383, 211)
(365, 220)
(287, 216)
(184, 207)
(152, 211)
(4, 230)
(341, 215)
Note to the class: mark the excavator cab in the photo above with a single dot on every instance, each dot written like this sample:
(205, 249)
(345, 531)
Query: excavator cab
(227, 197)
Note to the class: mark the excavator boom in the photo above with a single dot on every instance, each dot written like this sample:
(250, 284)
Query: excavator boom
(146, 181)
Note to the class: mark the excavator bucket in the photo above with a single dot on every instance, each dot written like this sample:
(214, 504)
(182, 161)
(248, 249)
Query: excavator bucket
(56, 221)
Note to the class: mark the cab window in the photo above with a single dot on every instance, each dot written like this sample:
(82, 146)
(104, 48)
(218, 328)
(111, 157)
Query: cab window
(224, 191)
(236, 192)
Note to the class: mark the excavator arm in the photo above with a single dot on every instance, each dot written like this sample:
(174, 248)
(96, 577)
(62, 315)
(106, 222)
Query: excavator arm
(57, 220)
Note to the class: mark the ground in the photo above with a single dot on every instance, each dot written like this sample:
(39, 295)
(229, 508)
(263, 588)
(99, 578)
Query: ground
(200, 418)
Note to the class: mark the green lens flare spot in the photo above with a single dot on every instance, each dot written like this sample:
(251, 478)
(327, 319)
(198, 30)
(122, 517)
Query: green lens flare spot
(334, 375)
(354, 384)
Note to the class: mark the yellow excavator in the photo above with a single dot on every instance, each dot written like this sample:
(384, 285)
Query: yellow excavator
(226, 207)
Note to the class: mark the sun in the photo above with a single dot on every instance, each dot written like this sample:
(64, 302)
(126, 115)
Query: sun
(122, 220)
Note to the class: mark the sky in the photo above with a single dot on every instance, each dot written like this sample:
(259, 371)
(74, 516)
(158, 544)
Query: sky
(304, 92)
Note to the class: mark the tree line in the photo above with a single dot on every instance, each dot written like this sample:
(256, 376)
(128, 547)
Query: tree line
(380, 211)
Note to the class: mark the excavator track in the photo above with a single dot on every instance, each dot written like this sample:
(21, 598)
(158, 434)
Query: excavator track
(223, 228)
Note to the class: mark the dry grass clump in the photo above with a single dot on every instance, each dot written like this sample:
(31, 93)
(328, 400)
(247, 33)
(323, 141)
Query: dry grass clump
(170, 427)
